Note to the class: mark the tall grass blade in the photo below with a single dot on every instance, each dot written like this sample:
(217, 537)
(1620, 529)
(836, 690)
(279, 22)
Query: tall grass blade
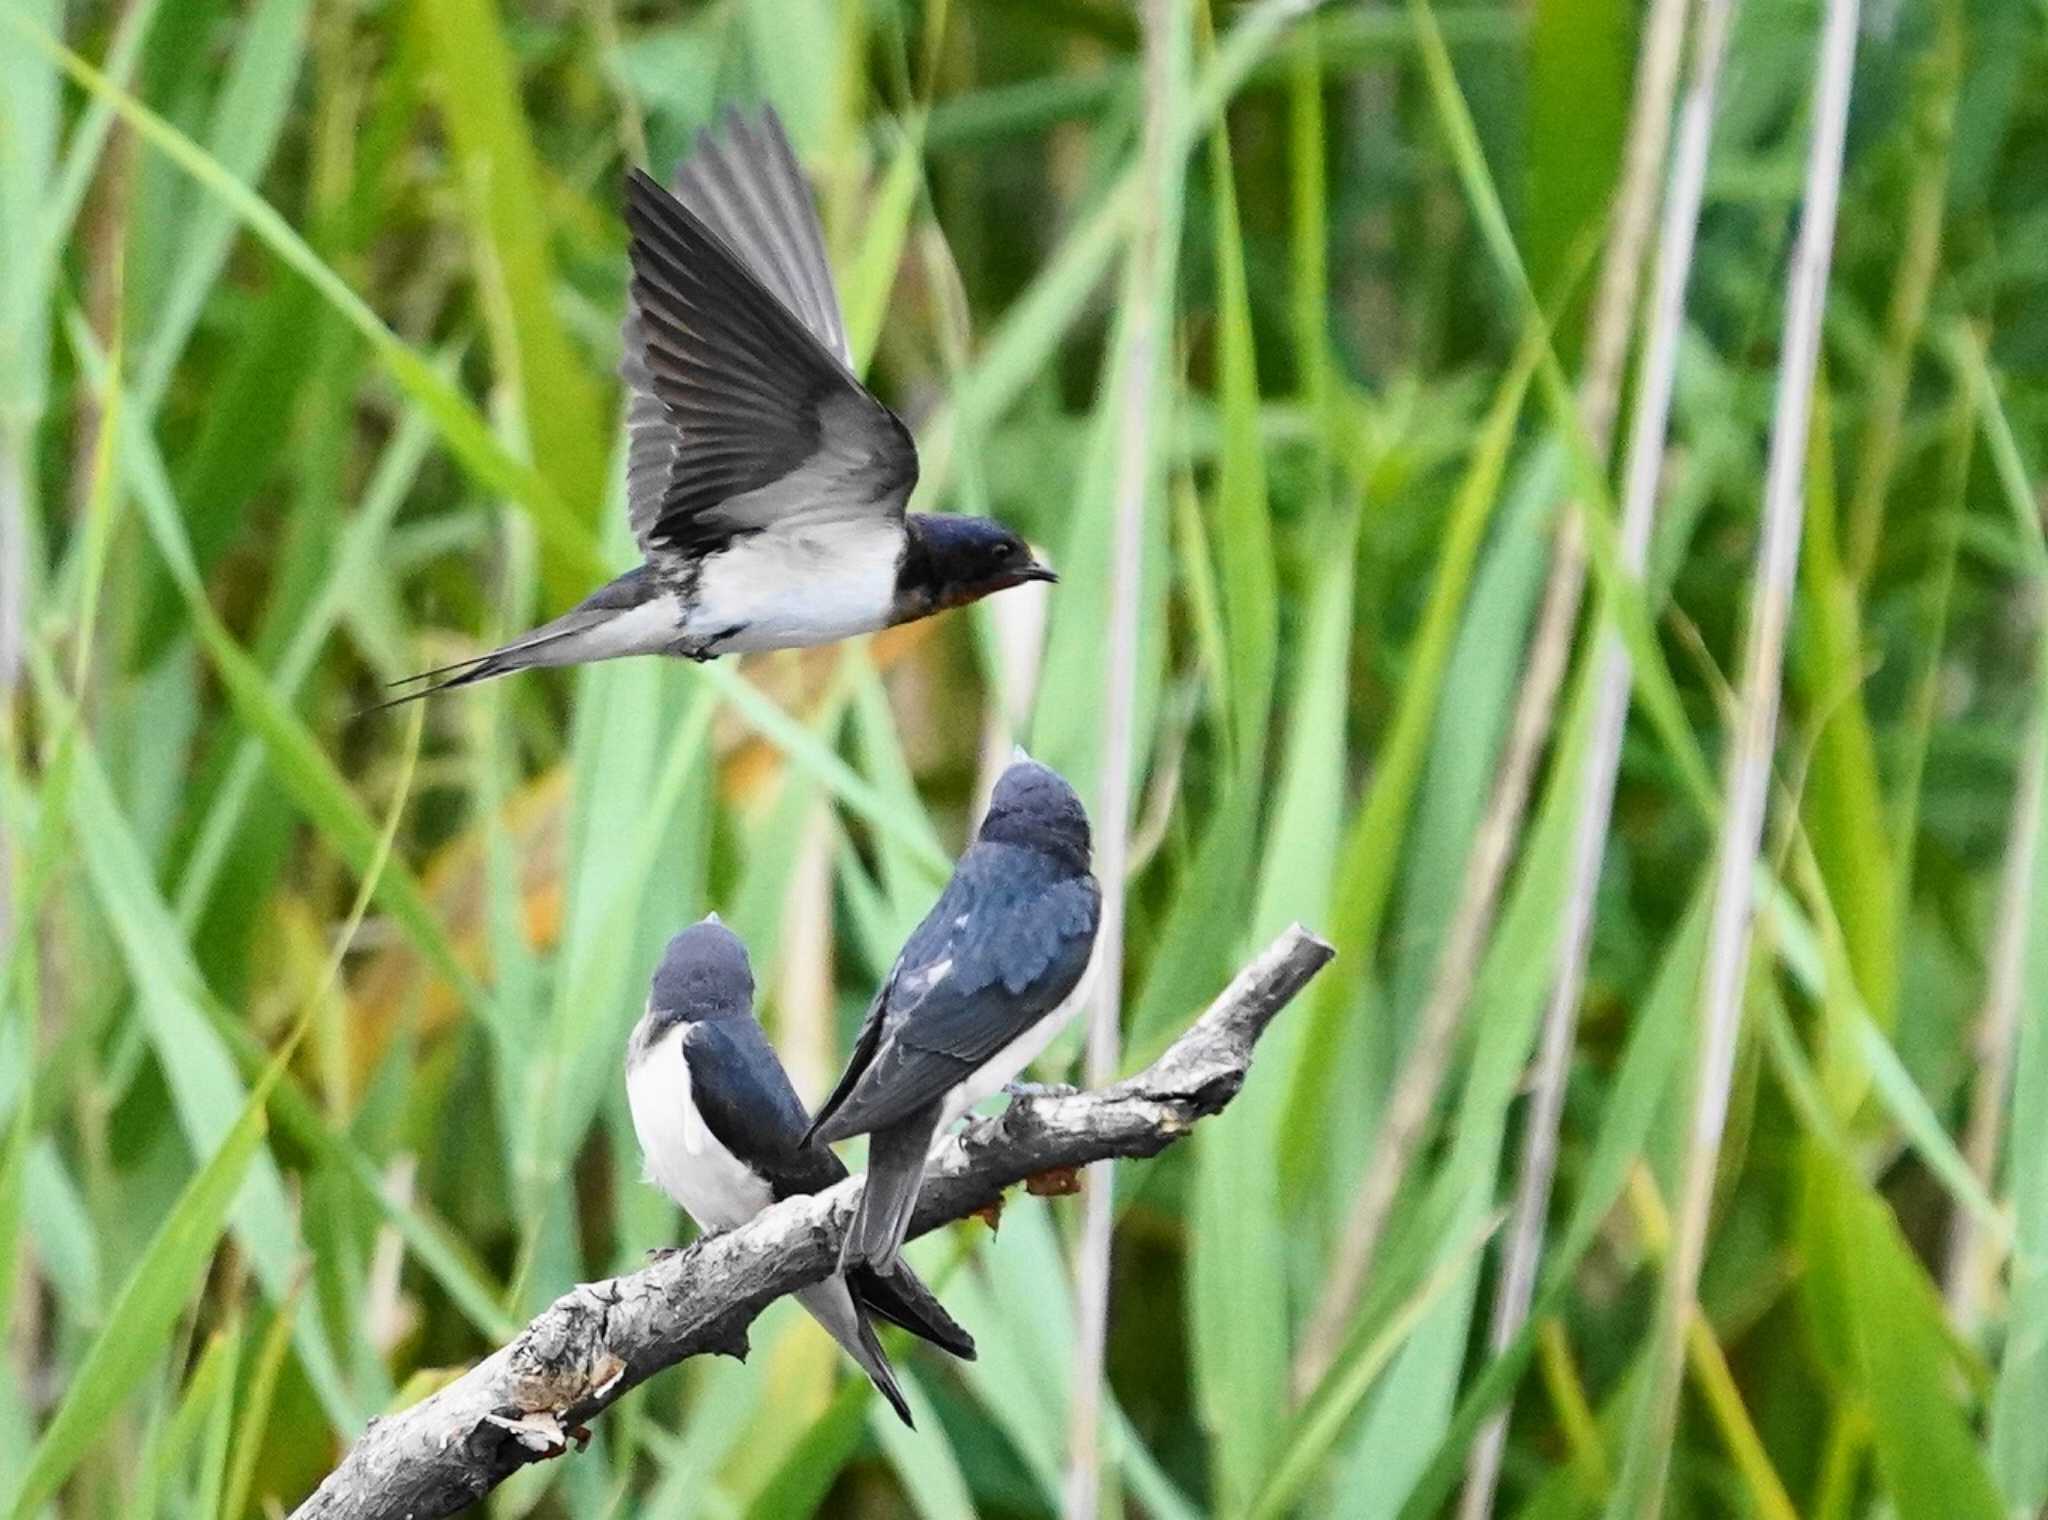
(1644, 454)
(561, 411)
(1372, 846)
(1149, 304)
(1749, 757)
(570, 546)
(1930, 1462)
(1358, 909)
(156, 1293)
(2019, 1464)
(1242, 511)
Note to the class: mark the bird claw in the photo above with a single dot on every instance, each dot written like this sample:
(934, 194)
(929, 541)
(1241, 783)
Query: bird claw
(657, 1254)
(1015, 1090)
(703, 651)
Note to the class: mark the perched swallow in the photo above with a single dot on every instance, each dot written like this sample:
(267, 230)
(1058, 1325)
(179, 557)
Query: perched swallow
(723, 1134)
(978, 991)
(765, 484)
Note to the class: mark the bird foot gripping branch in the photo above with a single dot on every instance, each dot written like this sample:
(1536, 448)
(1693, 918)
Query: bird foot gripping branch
(602, 1339)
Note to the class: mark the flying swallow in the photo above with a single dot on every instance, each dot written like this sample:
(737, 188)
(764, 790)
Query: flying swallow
(980, 988)
(723, 1133)
(764, 483)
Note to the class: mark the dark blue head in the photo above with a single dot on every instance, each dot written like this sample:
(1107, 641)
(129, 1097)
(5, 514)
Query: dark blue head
(703, 975)
(1033, 806)
(950, 561)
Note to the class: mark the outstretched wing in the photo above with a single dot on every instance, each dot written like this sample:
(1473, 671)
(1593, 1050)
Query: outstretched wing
(741, 419)
(743, 183)
(740, 1088)
(1006, 943)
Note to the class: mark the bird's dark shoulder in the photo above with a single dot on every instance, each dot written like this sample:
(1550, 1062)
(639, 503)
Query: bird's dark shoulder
(1006, 943)
(740, 1088)
(1007, 916)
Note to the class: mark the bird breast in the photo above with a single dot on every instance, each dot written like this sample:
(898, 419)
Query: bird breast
(788, 588)
(684, 1159)
(1009, 1063)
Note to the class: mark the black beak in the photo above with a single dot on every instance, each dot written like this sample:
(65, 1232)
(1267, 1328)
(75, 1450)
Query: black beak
(1037, 572)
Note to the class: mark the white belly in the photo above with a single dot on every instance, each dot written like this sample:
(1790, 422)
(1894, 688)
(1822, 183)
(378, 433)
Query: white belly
(687, 1162)
(684, 1159)
(1007, 1064)
(788, 590)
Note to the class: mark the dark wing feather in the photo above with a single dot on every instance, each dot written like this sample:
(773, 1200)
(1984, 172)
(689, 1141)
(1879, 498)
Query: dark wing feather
(732, 394)
(865, 1044)
(743, 183)
(743, 1093)
(901, 1298)
(1005, 944)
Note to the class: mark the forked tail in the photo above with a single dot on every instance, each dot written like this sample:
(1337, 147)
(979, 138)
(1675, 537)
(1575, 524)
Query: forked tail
(482, 668)
(896, 1159)
(846, 1319)
(635, 614)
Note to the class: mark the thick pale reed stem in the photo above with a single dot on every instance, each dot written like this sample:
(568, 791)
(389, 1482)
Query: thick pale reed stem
(1748, 778)
(1647, 430)
(1134, 484)
(1421, 1076)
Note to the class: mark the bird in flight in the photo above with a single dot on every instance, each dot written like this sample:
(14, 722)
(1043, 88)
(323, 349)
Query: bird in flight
(765, 484)
(980, 988)
(723, 1135)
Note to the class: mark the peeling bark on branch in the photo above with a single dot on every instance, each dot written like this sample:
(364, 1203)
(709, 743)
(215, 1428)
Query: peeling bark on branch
(524, 1402)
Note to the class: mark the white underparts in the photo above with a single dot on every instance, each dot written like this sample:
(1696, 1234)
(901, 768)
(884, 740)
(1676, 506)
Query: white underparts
(1007, 1064)
(689, 1163)
(650, 628)
(684, 1159)
(793, 587)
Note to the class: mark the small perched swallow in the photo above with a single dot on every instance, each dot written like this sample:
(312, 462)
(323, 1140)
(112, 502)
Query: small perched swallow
(765, 484)
(723, 1134)
(980, 988)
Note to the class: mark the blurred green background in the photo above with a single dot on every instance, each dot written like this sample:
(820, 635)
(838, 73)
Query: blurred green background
(308, 319)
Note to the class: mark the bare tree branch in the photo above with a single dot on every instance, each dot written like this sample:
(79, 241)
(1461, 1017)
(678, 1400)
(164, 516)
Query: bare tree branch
(524, 1402)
